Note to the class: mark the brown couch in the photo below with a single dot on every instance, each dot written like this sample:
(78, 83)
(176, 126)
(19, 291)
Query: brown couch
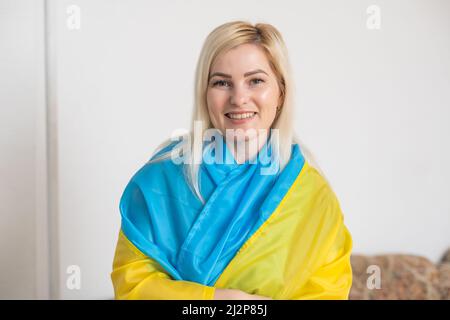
(402, 277)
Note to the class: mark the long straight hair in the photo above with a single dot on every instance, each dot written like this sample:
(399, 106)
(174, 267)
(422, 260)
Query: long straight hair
(223, 38)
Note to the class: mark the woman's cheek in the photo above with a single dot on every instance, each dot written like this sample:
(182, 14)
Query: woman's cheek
(268, 97)
(217, 99)
(215, 106)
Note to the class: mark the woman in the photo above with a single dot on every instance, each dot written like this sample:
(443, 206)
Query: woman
(207, 218)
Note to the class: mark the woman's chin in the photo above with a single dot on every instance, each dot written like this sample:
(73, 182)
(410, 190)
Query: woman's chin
(242, 134)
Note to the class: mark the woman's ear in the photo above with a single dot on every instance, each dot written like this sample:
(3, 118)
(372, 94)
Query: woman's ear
(280, 102)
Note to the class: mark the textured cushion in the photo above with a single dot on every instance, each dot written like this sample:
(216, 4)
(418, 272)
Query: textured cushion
(403, 277)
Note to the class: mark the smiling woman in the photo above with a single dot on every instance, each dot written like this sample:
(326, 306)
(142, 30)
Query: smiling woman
(238, 98)
(228, 230)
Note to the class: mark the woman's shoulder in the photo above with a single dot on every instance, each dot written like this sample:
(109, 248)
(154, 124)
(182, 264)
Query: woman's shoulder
(159, 166)
(317, 189)
(164, 148)
(313, 177)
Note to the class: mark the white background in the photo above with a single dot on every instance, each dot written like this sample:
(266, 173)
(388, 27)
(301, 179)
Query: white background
(81, 110)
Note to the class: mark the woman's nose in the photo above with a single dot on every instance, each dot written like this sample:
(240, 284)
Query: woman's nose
(239, 96)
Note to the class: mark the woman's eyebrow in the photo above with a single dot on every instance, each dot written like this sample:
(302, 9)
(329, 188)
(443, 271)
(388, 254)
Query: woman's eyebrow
(221, 74)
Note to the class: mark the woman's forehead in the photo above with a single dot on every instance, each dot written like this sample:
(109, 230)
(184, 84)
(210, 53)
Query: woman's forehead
(240, 60)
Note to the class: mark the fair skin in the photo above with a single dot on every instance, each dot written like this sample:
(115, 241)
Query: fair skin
(243, 93)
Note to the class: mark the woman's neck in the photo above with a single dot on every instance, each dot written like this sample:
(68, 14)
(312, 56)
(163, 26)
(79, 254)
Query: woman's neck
(243, 150)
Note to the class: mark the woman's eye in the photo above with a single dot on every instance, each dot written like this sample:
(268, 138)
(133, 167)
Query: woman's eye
(220, 83)
(257, 80)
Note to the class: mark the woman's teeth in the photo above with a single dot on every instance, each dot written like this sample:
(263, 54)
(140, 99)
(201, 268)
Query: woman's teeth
(240, 115)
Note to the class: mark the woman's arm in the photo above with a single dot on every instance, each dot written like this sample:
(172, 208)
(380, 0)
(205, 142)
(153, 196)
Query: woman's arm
(135, 276)
(333, 279)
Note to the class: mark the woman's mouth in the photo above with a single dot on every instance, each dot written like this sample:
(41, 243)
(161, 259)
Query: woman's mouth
(240, 117)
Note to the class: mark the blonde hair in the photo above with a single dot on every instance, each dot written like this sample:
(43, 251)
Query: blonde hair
(223, 38)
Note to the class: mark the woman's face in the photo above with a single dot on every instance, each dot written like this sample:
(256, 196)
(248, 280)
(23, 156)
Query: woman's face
(243, 91)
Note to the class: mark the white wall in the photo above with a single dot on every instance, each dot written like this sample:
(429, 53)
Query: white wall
(23, 217)
(373, 106)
